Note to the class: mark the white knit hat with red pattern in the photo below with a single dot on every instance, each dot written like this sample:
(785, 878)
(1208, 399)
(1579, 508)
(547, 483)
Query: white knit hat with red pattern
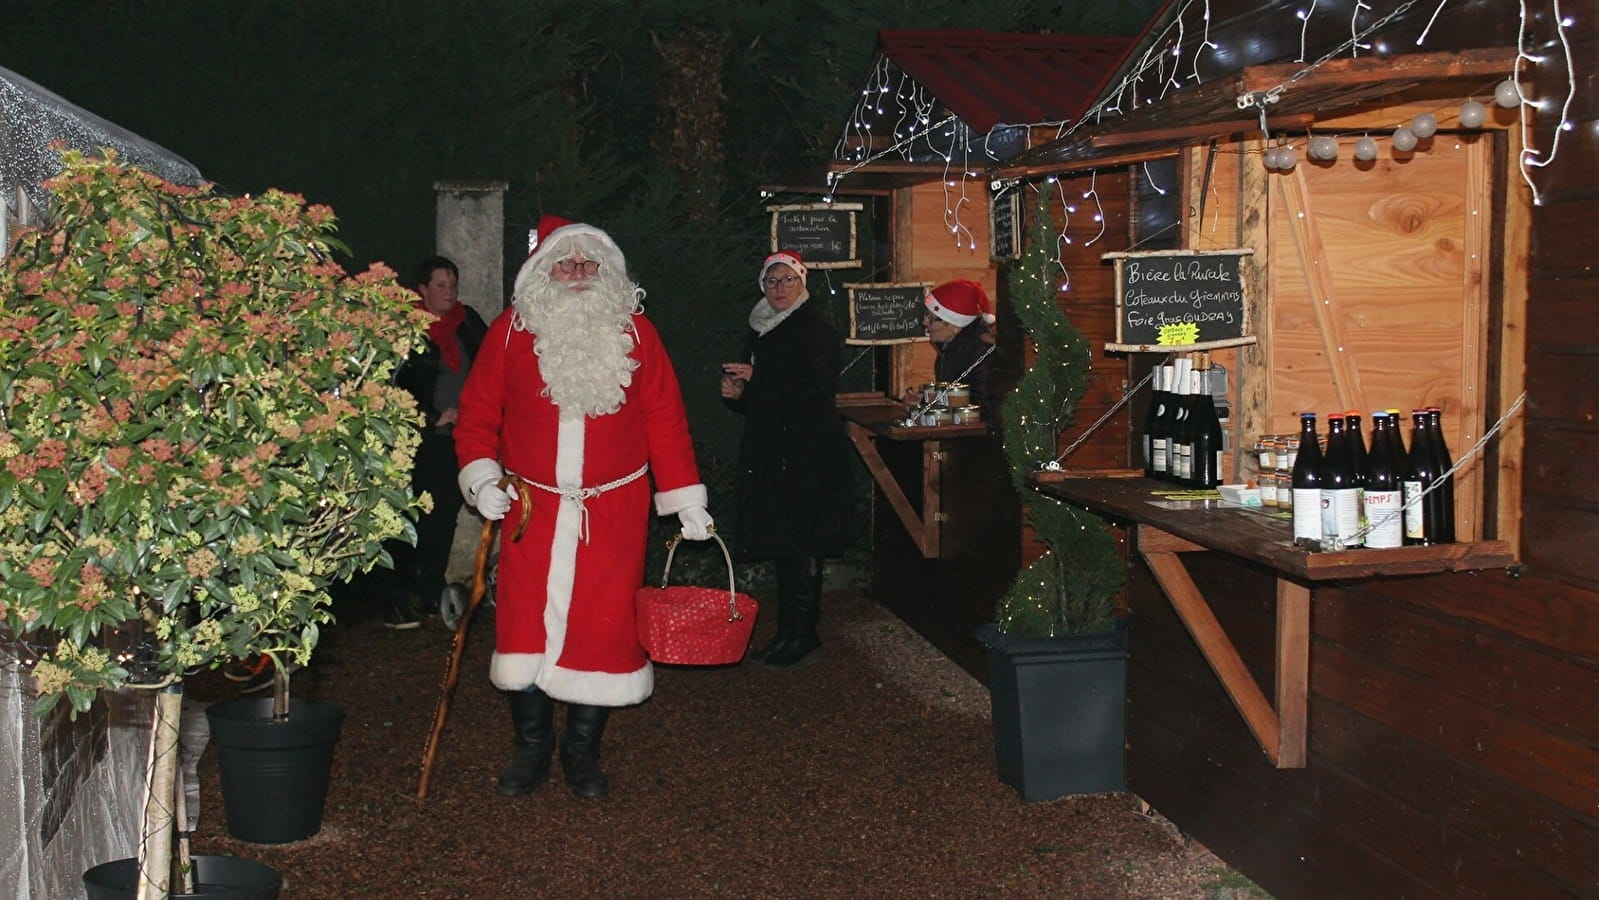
(790, 258)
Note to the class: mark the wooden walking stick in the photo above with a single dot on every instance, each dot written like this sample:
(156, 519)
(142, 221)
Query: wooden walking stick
(480, 581)
(458, 646)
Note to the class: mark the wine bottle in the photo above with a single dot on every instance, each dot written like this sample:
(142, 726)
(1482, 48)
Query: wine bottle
(1440, 449)
(1385, 492)
(1181, 450)
(1207, 434)
(1154, 439)
(1421, 519)
(1307, 484)
(1340, 498)
(1168, 421)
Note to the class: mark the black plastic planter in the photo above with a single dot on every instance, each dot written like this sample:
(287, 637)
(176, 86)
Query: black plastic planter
(274, 774)
(1059, 708)
(215, 878)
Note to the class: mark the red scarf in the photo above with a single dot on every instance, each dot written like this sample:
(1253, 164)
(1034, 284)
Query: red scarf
(442, 333)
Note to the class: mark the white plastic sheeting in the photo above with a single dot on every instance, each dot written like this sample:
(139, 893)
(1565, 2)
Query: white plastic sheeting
(50, 833)
(31, 118)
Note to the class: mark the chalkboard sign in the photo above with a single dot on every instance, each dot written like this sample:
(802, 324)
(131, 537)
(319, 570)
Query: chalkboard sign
(886, 313)
(1180, 300)
(822, 233)
(1004, 225)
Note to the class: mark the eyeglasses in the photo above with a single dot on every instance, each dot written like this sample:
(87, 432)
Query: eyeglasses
(785, 281)
(572, 266)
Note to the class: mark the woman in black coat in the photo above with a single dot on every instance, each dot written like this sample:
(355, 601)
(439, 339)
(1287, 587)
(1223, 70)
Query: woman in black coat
(793, 490)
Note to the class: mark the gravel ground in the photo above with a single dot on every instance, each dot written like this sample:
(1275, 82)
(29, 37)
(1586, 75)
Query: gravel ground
(866, 773)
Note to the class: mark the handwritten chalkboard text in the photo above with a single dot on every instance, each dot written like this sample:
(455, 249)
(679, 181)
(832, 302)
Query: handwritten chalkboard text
(1159, 289)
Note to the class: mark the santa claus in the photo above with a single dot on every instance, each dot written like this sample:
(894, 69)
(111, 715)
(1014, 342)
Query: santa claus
(571, 411)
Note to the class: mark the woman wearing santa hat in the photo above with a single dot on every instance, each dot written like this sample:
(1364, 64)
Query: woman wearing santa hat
(793, 486)
(957, 320)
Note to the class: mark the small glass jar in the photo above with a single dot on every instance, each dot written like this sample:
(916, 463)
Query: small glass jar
(1290, 453)
(1266, 452)
(957, 395)
(1268, 488)
(967, 415)
(1285, 492)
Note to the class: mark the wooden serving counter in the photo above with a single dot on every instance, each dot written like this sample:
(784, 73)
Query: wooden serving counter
(1165, 522)
(873, 417)
(1256, 534)
(945, 521)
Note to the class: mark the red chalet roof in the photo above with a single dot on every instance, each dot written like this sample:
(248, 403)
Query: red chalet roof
(988, 78)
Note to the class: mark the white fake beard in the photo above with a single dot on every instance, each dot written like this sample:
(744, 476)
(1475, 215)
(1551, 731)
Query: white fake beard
(582, 339)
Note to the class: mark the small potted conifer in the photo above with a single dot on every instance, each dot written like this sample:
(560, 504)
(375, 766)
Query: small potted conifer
(1056, 647)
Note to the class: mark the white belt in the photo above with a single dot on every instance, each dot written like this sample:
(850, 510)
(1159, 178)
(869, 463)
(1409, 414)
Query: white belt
(580, 494)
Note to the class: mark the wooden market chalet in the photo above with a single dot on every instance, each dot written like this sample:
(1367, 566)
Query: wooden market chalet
(1421, 722)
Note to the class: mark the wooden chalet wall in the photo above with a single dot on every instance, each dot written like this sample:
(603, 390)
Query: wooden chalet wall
(1454, 720)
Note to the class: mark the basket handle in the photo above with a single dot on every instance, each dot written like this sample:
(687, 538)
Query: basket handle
(733, 615)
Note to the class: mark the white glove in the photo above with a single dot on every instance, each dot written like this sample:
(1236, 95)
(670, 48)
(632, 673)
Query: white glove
(479, 481)
(696, 523)
(494, 503)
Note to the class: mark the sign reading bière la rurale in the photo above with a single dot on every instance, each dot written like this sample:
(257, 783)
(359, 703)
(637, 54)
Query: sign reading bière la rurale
(823, 234)
(886, 313)
(1180, 299)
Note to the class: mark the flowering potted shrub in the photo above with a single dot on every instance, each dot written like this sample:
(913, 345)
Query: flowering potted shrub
(198, 430)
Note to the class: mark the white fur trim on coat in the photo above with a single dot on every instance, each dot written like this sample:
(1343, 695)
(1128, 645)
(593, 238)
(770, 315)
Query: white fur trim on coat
(679, 499)
(520, 671)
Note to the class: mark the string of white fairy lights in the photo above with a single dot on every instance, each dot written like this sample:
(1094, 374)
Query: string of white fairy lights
(1161, 63)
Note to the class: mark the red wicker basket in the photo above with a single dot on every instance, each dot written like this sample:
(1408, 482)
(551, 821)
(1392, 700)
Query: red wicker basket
(695, 626)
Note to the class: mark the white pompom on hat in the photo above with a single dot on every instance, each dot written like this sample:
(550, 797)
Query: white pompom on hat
(960, 303)
(788, 258)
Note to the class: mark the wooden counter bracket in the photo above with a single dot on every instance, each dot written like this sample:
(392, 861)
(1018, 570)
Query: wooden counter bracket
(924, 529)
(1280, 731)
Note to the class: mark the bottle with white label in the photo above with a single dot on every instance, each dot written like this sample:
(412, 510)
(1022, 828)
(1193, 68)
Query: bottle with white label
(1307, 484)
(1340, 492)
(1154, 437)
(1384, 495)
(1181, 434)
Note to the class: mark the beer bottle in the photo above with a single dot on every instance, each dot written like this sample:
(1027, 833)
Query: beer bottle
(1421, 522)
(1206, 439)
(1440, 449)
(1384, 494)
(1154, 438)
(1340, 497)
(1307, 484)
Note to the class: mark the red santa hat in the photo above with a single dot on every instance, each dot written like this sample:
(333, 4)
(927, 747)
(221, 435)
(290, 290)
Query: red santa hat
(554, 229)
(790, 258)
(960, 303)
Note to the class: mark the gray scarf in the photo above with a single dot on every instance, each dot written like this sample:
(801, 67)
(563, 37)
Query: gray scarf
(764, 318)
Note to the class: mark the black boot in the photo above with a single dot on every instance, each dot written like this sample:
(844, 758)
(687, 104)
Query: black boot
(788, 578)
(804, 597)
(580, 750)
(533, 720)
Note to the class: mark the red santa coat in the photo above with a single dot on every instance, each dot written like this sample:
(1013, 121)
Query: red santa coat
(564, 606)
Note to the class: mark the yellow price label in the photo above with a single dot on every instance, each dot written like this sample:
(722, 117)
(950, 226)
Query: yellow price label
(1179, 334)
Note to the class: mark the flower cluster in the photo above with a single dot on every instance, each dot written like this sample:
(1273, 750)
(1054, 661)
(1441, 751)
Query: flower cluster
(198, 426)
